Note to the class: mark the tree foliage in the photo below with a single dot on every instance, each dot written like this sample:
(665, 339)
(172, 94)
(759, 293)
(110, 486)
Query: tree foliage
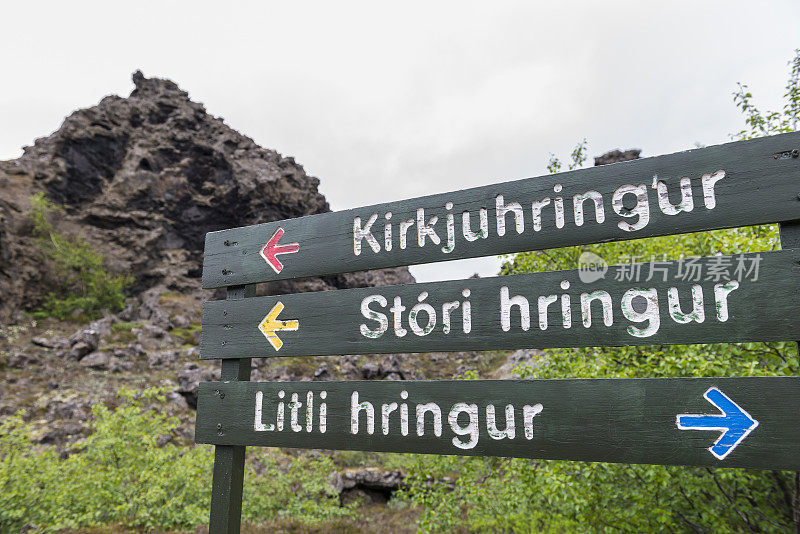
(503, 495)
(758, 123)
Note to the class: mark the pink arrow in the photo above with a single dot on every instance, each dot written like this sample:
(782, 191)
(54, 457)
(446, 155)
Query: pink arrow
(272, 249)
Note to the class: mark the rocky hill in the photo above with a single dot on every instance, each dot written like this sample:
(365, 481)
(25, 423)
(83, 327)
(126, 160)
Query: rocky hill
(143, 179)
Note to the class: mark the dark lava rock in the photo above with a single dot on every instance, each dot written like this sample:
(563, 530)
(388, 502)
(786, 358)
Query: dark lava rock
(21, 360)
(180, 321)
(390, 368)
(375, 484)
(161, 359)
(615, 156)
(96, 360)
(143, 179)
(83, 342)
(189, 379)
(68, 408)
(80, 349)
(323, 373)
(45, 342)
(370, 371)
(59, 433)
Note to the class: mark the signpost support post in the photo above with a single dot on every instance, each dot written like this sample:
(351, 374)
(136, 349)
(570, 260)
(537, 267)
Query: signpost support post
(228, 481)
(790, 238)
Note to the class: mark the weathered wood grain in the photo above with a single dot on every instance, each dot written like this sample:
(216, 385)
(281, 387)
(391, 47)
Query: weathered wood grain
(766, 309)
(227, 483)
(611, 420)
(790, 238)
(760, 186)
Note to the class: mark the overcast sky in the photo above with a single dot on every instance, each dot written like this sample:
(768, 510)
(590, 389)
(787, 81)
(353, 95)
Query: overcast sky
(384, 101)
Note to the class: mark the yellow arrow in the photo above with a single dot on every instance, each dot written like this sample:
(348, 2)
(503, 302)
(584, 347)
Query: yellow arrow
(271, 324)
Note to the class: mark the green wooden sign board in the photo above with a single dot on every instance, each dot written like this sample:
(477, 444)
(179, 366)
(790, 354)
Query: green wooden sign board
(735, 184)
(730, 422)
(661, 305)
(714, 422)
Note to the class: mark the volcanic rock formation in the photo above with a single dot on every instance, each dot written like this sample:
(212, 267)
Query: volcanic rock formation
(616, 156)
(143, 179)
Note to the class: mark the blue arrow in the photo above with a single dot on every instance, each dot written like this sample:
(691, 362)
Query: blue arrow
(734, 423)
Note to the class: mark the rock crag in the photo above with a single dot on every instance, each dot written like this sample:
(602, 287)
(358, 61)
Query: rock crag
(143, 179)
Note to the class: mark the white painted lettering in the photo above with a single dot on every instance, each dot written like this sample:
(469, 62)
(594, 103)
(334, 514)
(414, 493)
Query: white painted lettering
(507, 303)
(708, 181)
(599, 210)
(360, 233)
(368, 313)
(356, 408)
(697, 314)
(424, 230)
(258, 425)
(640, 210)
(502, 209)
(528, 413)
(434, 409)
(605, 302)
(491, 425)
(685, 205)
(649, 298)
(469, 235)
(721, 292)
(471, 429)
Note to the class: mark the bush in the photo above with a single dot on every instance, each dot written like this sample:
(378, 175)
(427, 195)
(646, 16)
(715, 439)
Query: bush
(301, 490)
(120, 477)
(80, 278)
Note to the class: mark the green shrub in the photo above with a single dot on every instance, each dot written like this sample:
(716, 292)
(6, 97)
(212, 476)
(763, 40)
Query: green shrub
(187, 335)
(81, 281)
(300, 490)
(120, 477)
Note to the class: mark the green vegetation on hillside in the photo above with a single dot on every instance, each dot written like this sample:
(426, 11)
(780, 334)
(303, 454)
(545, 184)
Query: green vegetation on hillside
(83, 284)
(123, 475)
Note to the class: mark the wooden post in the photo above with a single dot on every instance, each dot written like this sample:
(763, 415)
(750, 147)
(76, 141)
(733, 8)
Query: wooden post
(790, 238)
(228, 481)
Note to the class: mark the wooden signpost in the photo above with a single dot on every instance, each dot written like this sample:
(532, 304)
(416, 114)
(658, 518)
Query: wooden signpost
(552, 309)
(728, 422)
(736, 184)
(682, 421)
